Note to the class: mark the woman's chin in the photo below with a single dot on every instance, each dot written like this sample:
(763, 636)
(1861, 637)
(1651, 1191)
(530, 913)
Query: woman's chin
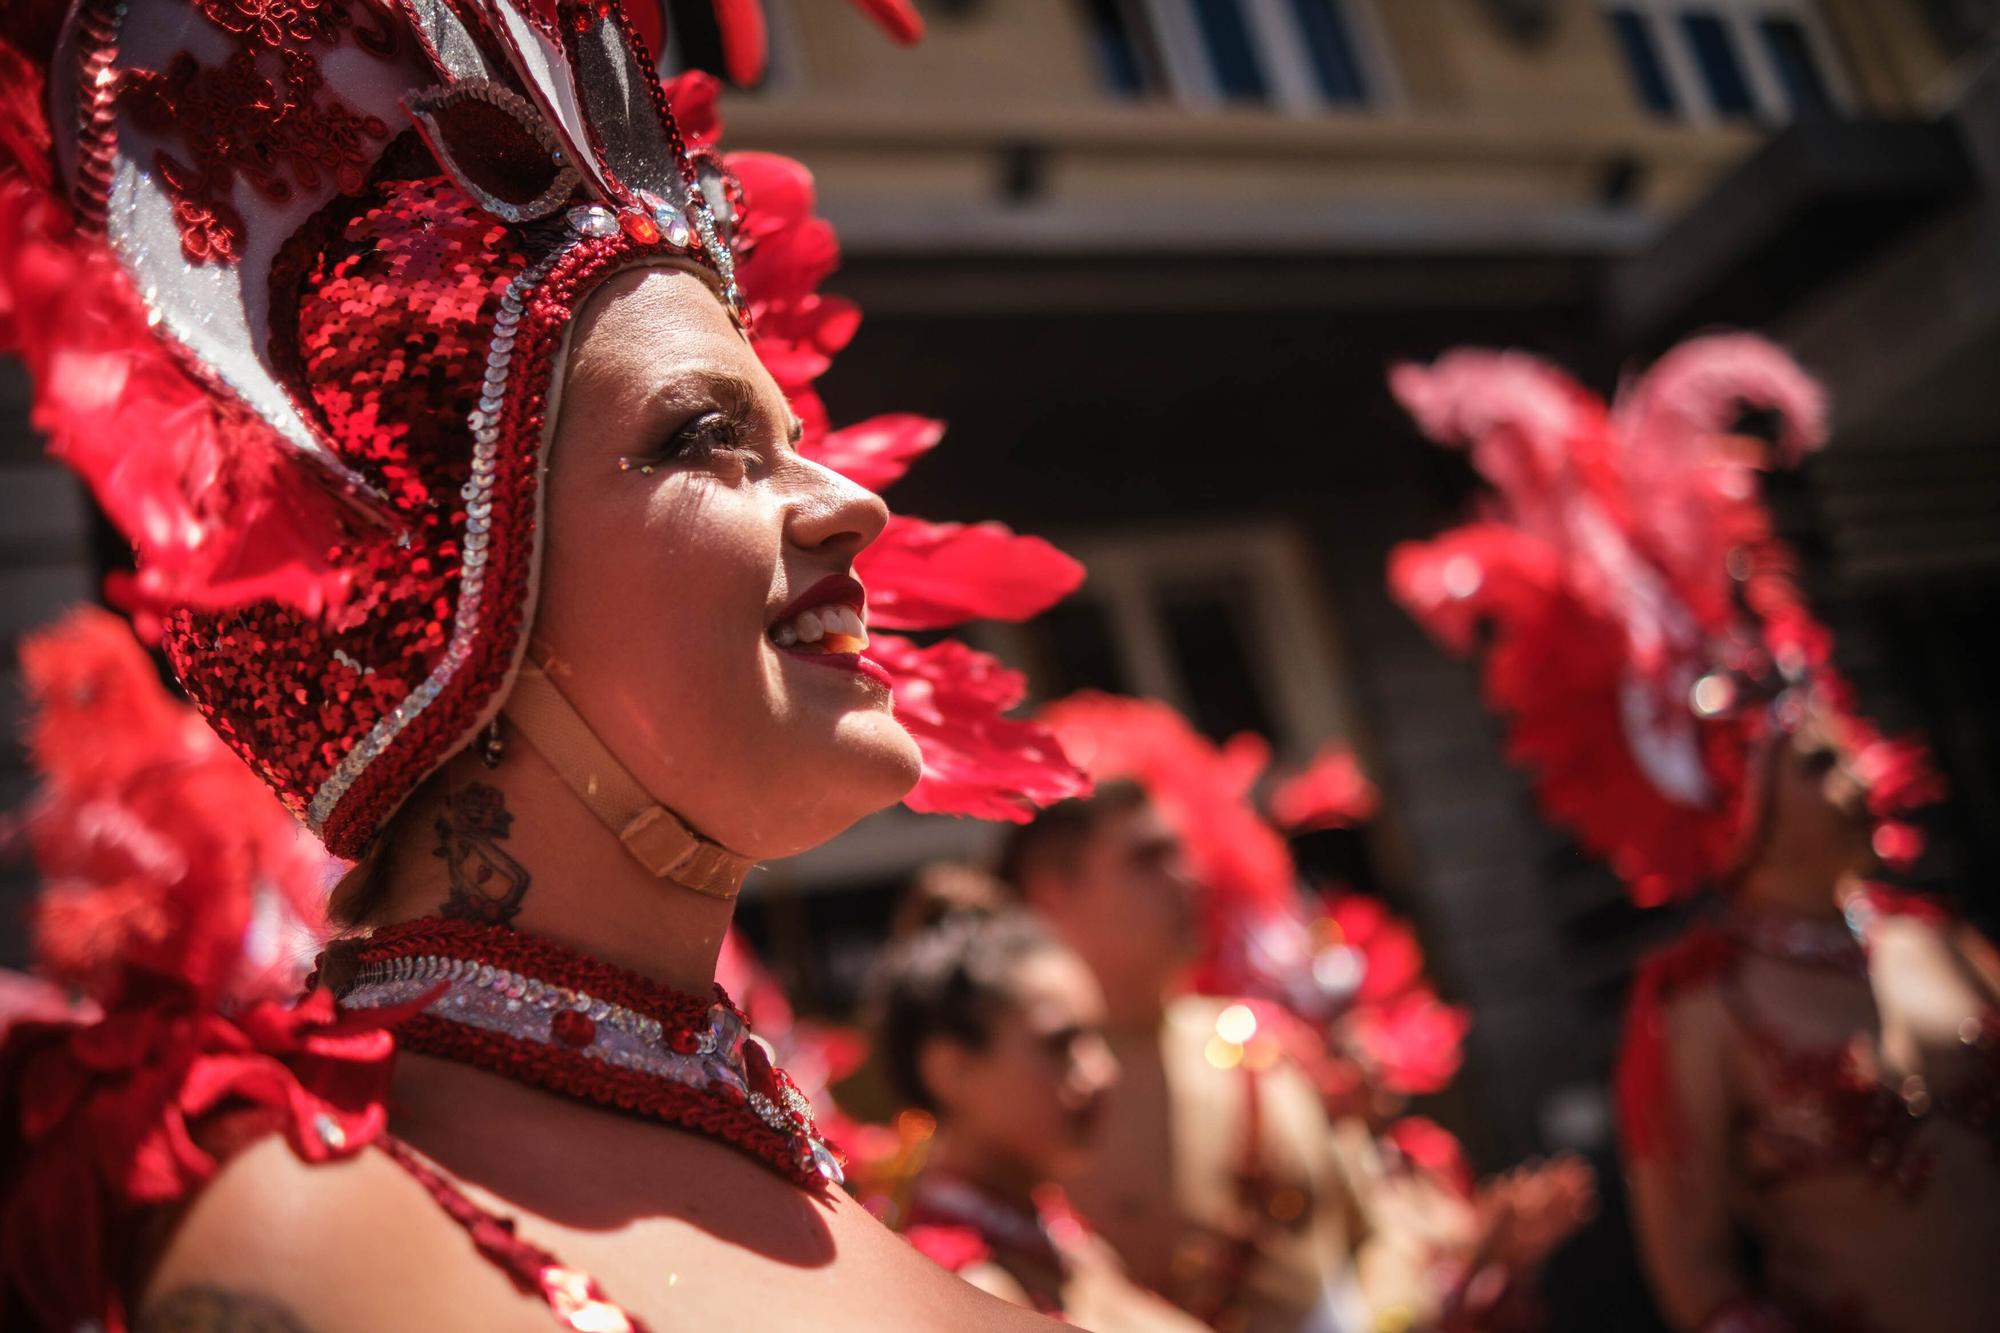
(881, 756)
(871, 764)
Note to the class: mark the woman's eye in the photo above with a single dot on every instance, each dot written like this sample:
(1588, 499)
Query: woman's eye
(707, 434)
(719, 437)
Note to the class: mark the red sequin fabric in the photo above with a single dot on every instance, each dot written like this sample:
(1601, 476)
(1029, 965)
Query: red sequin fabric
(393, 330)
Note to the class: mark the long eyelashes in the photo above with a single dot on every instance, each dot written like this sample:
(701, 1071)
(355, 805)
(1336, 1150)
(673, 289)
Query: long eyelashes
(704, 438)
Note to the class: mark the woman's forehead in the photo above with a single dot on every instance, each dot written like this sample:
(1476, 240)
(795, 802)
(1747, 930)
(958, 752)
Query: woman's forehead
(637, 314)
(1052, 983)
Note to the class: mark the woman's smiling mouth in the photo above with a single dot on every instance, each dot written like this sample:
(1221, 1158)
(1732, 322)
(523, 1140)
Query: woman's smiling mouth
(828, 625)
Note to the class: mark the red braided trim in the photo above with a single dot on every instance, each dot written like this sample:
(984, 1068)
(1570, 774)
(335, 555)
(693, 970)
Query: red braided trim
(544, 960)
(715, 1112)
(573, 1296)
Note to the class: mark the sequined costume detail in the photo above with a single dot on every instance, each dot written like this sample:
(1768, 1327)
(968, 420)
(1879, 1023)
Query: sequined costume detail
(526, 1008)
(573, 1296)
(235, 122)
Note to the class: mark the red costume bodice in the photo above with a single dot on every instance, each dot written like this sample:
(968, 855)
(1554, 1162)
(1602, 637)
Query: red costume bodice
(1819, 1109)
(1826, 1108)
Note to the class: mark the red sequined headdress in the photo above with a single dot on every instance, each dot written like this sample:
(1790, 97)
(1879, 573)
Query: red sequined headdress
(294, 280)
(1639, 622)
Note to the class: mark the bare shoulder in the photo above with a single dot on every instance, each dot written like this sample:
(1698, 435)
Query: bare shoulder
(275, 1243)
(994, 1280)
(1196, 1013)
(1683, 983)
(217, 1309)
(927, 1295)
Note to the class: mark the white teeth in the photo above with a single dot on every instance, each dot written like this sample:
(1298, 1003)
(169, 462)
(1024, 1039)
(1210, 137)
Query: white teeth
(820, 624)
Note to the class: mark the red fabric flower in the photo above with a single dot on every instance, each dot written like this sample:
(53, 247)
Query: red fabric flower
(1392, 962)
(977, 761)
(1331, 792)
(101, 1122)
(1412, 1043)
(179, 895)
(929, 575)
(1436, 1151)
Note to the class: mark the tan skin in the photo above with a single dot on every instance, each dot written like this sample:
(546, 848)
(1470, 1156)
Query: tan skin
(657, 593)
(1905, 1263)
(1125, 905)
(1025, 1108)
(1417, 1222)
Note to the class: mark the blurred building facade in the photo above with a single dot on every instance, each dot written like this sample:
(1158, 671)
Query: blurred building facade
(1151, 258)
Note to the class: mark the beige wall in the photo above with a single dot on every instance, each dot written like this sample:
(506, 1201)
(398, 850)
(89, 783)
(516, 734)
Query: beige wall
(1478, 120)
(1891, 56)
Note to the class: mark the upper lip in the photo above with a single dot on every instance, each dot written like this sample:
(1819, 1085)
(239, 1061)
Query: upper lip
(833, 590)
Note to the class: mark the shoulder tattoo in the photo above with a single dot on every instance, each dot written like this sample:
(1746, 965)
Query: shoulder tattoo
(216, 1310)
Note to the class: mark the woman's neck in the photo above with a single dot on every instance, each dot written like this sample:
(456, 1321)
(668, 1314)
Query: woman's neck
(1797, 889)
(513, 846)
(994, 1174)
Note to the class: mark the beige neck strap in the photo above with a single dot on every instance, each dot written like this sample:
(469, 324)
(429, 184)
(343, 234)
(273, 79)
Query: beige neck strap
(655, 835)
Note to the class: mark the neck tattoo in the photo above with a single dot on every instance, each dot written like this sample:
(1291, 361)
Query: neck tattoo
(487, 884)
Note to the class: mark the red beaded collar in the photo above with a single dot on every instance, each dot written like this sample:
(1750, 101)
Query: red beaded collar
(518, 1005)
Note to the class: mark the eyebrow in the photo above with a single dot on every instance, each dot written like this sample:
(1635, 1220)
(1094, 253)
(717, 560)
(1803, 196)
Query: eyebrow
(695, 382)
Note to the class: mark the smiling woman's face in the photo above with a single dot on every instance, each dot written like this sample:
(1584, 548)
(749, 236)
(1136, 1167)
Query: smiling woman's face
(685, 536)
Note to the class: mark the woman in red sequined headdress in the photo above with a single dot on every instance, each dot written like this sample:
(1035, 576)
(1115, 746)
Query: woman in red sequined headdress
(1818, 1067)
(457, 399)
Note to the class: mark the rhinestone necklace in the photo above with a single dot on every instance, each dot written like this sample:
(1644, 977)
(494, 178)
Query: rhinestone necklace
(1811, 942)
(520, 1006)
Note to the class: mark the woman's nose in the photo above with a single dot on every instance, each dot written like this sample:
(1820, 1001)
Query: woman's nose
(833, 514)
(1097, 1068)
